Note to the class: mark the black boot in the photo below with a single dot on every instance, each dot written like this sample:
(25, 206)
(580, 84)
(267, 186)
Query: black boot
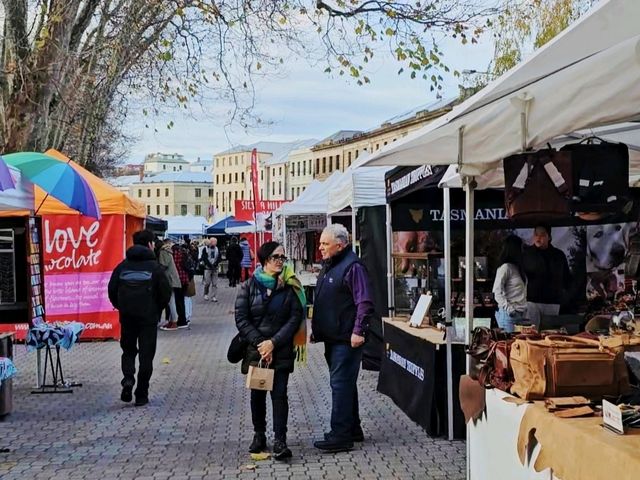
(280, 450)
(259, 443)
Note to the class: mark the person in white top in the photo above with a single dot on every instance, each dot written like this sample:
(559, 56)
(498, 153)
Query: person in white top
(510, 286)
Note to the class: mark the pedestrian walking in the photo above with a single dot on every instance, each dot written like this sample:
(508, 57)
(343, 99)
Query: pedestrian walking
(183, 266)
(269, 317)
(247, 258)
(140, 290)
(165, 258)
(210, 259)
(234, 260)
(342, 311)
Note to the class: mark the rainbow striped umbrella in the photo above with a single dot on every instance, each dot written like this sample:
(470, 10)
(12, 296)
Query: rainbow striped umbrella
(59, 179)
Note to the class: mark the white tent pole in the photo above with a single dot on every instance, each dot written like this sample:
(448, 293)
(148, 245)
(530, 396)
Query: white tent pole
(284, 236)
(390, 296)
(447, 306)
(469, 186)
(354, 212)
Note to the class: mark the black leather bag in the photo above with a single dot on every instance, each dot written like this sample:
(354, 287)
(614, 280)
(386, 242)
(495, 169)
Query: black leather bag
(600, 176)
(237, 349)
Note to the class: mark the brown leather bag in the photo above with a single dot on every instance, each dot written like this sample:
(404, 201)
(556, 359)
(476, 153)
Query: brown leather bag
(538, 185)
(561, 365)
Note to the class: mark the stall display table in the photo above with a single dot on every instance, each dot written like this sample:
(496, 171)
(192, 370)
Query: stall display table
(560, 448)
(413, 373)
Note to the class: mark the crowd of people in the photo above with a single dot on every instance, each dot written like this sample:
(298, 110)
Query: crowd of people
(270, 315)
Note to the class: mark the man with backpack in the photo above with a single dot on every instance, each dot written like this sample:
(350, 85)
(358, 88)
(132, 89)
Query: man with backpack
(140, 290)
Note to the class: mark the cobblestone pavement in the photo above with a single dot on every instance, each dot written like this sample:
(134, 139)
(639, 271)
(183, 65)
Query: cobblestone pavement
(198, 424)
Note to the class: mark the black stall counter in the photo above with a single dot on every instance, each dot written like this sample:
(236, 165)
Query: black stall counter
(413, 373)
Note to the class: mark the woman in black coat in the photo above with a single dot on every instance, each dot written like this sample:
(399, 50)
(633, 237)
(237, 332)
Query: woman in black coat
(268, 315)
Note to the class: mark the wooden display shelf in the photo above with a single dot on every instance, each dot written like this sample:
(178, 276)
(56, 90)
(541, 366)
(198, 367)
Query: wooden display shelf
(416, 256)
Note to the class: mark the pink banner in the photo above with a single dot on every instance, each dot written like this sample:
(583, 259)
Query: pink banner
(77, 293)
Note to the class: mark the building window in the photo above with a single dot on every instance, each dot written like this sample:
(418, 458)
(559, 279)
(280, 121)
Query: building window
(157, 192)
(236, 159)
(385, 143)
(293, 170)
(337, 162)
(164, 167)
(261, 174)
(242, 195)
(298, 189)
(166, 192)
(198, 210)
(317, 166)
(217, 162)
(324, 164)
(304, 168)
(183, 210)
(211, 193)
(242, 177)
(273, 188)
(223, 202)
(148, 192)
(236, 177)
(157, 209)
(180, 167)
(292, 192)
(198, 192)
(357, 152)
(279, 188)
(148, 209)
(330, 163)
(166, 209)
(139, 193)
(280, 171)
(349, 158)
(217, 180)
(377, 146)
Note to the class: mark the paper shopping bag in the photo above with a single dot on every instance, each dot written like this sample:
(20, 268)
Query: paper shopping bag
(259, 378)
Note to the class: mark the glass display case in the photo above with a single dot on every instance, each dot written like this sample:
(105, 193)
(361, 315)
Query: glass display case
(415, 274)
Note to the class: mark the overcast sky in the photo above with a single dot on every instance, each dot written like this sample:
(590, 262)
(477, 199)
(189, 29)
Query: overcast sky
(304, 102)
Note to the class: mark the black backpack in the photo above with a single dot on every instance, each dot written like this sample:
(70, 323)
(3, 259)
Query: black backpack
(135, 293)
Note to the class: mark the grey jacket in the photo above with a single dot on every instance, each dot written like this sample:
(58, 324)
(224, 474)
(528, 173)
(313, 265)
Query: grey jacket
(165, 258)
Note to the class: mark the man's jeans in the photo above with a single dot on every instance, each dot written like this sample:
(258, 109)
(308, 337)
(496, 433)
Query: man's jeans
(210, 282)
(344, 365)
(535, 311)
(279, 402)
(136, 339)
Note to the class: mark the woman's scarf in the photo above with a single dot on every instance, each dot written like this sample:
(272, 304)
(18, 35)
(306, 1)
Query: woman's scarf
(288, 277)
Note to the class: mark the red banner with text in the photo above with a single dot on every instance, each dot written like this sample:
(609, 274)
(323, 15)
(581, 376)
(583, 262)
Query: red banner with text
(79, 255)
(244, 208)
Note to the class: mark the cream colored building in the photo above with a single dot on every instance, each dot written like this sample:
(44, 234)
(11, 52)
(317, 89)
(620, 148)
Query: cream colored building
(165, 162)
(232, 173)
(341, 149)
(300, 168)
(179, 193)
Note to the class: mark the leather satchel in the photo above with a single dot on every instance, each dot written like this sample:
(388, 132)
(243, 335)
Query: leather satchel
(561, 365)
(489, 352)
(538, 185)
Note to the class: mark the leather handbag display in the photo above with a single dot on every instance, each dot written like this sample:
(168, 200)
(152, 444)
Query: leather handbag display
(561, 365)
(600, 176)
(538, 185)
(489, 352)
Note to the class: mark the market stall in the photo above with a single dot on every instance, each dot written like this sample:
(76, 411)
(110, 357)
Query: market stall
(79, 253)
(532, 104)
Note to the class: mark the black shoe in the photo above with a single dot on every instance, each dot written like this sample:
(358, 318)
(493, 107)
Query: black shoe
(280, 450)
(127, 393)
(141, 401)
(259, 443)
(333, 446)
(356, 436)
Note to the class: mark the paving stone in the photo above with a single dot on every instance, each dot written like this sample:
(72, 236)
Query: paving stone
(198, 424)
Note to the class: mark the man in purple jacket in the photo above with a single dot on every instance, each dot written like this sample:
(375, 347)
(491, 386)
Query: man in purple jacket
(342, 308)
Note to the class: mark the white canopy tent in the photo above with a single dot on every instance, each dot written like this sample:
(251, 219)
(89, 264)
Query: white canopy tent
(313, 201)
(358, 186)
(564, 87)
(185, 225)
(586, 77)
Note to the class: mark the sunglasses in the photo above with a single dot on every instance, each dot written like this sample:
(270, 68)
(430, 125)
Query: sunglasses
(278, 258)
